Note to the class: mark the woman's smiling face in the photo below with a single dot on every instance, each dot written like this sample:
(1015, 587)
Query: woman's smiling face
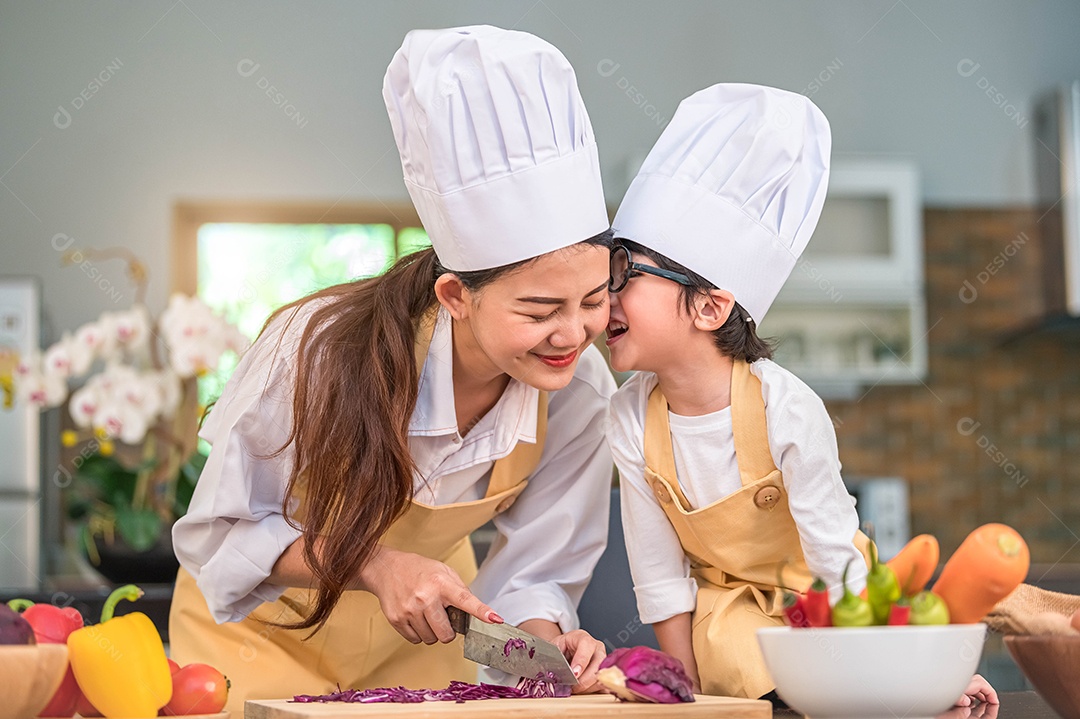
(534, 322)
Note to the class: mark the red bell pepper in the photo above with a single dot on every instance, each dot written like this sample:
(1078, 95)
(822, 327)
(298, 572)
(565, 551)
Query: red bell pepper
(52, 625)
(818, 611)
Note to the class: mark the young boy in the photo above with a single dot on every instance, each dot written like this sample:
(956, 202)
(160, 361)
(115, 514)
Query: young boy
(728, 463)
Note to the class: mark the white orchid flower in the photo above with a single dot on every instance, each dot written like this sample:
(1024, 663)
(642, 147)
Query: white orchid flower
(189, 360)
(132, 328)
(196, 337)
(57, 359)
(41, 389)
(92, 337)
(116, 376)
(143, 395)
(28, 365)
(67, 358)
(121, 422)
(123, 400)
(84, 405)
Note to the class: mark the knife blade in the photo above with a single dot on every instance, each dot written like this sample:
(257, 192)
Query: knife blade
(486, 644)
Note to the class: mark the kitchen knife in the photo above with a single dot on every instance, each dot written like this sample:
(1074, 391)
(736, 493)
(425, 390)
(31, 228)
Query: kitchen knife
(486, 644)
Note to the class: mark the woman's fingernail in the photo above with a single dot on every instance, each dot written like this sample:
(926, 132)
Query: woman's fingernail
(496, 618)
(577, 670)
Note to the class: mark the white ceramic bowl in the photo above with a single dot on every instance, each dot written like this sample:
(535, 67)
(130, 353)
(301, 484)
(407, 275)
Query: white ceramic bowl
(870, 672)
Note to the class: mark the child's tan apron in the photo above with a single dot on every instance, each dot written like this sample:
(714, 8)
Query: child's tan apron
(357, 647)
(735, 545)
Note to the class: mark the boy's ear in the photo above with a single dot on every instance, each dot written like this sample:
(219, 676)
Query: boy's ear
(712, 310)
(453, 295)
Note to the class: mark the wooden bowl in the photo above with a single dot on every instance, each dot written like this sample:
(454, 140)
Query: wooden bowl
(1052, 664)
(29, 676)
(219, 715)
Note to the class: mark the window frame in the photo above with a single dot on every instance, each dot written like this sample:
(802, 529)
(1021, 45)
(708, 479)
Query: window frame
(190, 215)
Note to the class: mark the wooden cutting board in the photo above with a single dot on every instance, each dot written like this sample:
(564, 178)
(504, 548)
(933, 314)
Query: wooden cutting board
(575, 707)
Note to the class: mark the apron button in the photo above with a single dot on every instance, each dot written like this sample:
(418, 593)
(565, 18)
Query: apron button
(767, 497)
(505, 504)
(662, 494)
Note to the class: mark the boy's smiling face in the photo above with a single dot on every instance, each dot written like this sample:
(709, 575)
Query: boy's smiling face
(647, 322)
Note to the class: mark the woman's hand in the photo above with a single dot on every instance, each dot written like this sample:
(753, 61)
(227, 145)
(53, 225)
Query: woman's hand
(584, 654)
(979, 689)
(414, 592)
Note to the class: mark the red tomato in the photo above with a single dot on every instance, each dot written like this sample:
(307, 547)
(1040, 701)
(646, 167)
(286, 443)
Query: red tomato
(197, 689)
(85, 708)
(173, 667)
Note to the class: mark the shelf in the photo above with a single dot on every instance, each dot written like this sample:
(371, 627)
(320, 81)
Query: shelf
(852, 315)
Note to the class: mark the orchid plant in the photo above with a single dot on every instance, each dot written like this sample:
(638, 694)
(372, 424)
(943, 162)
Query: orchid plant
(134, 395)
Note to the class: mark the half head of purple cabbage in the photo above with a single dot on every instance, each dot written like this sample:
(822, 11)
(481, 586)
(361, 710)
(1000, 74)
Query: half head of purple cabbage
(643, 674)
(14, 629)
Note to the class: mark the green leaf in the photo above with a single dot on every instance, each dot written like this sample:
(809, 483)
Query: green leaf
(77, 507)
(106, 479)
(138, 527)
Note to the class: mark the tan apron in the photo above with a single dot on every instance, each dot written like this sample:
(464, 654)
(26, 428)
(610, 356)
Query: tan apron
(735, 545)
(357, 647)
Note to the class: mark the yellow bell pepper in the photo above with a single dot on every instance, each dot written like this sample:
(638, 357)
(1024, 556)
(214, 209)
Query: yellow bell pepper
(120, 664)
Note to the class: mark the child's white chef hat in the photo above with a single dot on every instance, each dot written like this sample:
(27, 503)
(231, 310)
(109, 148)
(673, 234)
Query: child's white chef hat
(733, 188)
(496, 146)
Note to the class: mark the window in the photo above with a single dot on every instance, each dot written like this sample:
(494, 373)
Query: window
(247, 260)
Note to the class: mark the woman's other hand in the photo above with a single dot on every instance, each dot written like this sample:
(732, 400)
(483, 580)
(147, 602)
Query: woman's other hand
(584, 654)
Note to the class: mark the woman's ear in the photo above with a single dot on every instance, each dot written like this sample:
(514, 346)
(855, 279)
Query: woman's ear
(453, 295)
(712, 309)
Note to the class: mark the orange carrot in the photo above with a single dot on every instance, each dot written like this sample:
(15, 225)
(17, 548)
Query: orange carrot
(986, 568)
(915, 563)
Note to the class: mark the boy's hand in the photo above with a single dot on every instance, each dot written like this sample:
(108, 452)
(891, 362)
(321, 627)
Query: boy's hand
(978, 690)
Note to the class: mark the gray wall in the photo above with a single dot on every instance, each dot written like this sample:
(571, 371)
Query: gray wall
(174, 117)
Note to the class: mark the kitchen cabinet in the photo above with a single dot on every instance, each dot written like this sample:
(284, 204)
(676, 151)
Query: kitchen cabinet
(853, 314)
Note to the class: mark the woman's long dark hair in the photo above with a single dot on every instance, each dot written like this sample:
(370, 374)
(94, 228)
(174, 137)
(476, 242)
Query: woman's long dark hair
(355, 392)
(737, 337)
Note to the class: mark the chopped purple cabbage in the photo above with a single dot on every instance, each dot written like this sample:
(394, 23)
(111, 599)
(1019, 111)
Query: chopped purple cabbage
(512, 644)
(538, 688)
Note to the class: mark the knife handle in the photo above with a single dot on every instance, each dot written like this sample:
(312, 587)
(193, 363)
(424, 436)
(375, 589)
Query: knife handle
(459, 619)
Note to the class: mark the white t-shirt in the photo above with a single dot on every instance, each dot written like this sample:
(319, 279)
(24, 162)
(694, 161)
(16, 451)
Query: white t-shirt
(803, 446)
(548, 542)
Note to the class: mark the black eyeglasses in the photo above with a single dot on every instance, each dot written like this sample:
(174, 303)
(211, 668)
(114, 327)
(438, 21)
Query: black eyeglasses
(622, 268)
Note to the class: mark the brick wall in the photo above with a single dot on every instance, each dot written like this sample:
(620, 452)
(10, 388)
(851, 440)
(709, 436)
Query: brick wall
(994, 434)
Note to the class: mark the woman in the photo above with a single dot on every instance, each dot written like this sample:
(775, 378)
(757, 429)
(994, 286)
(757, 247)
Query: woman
(374, 425)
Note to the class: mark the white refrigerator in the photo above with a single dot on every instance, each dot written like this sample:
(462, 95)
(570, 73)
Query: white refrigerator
(20, 446)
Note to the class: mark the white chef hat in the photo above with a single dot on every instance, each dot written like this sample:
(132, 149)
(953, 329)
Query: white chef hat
(496, 146)
(733, 188)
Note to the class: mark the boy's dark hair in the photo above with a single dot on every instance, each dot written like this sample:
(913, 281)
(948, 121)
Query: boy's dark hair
(737, 338)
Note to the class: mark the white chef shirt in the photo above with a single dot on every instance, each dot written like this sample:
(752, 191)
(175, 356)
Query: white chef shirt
(548, 542)
(803, 446)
